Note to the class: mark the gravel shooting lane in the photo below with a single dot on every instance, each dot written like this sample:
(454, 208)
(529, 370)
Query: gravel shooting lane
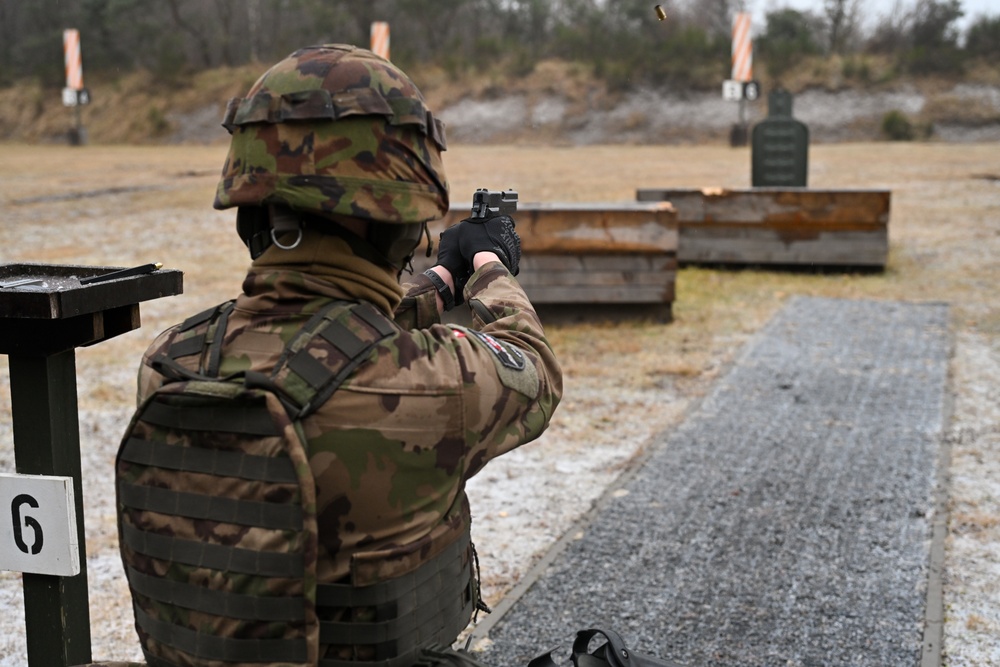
(786, 522)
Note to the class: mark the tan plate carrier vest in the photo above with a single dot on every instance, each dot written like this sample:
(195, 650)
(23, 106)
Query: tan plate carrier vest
(217, 515)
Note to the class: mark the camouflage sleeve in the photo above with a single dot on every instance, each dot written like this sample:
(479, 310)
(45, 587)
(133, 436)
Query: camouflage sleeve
(516, 382)
(418, 309)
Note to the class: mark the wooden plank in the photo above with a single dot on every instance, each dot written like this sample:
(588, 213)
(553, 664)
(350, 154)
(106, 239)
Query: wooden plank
(575, 313)
(531, 263)
(605, 294)
(593, 278)
(780, 225)
(776, 206)
(597, 279)
(581, 228)
(763, 246)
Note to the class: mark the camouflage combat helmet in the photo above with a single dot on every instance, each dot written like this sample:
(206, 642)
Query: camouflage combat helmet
(335, 130)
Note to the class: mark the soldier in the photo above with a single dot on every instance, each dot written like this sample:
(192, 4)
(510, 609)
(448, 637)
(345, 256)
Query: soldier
(334, 168)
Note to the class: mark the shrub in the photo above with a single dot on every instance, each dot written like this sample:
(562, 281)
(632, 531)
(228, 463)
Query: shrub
(896, 126)
(857, 69)
(983, 39)
(158, 123)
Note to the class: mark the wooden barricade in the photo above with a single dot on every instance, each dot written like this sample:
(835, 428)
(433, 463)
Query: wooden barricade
(780, 226)
(621, 256)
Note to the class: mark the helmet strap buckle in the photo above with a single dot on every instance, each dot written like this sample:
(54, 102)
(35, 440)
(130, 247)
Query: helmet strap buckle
(285, 220)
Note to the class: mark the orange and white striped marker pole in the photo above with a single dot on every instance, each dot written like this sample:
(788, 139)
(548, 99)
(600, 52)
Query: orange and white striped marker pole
(380, 39)
(74, 94)
(742, 48)
(74, 61)
(742, 74)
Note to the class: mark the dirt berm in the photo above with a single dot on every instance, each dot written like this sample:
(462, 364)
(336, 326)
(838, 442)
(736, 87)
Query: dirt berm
(557, 103)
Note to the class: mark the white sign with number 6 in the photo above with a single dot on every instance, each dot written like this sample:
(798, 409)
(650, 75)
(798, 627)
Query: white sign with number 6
(38, 525)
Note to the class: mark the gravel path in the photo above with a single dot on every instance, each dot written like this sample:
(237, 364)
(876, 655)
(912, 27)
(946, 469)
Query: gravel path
(786, 522)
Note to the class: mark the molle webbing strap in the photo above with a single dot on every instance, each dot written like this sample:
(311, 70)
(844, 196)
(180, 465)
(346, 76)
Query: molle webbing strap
(210, 647)
(187, 347)
(416, 619)
(215, 347)
(305, 333)
(310, 369)
(212, 556)
(383, 592)
(435, 629)
(210, 461)
(204, 316)
(343, 339)
(352, 332)
(220, 603)
(217, 316)
(211, 508)
(374, 318)
(430, 605)
(245, 419)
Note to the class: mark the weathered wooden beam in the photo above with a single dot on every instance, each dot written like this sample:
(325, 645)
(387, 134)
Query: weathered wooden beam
(589, 228)
(617, 279)
(573, 254)
(796, 226)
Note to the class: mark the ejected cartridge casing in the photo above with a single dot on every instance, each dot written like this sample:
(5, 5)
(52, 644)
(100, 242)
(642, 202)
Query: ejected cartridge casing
(660, 14)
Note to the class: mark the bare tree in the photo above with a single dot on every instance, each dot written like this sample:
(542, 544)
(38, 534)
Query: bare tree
(253, 28)
(225, 10)
(201, 41)
(8, 28)
(842, 23)
(892, 30)
(714, 16)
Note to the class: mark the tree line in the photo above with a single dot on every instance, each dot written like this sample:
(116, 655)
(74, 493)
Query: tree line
(622, 40)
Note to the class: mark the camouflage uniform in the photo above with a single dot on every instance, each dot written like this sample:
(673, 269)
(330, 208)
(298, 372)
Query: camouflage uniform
(391, 450)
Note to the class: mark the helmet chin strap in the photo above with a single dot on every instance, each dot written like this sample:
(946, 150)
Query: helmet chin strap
(254, 228)
(387, 244)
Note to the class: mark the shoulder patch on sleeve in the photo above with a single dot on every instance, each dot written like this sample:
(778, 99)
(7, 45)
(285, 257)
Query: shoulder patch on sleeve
(512, 367)
(508, 355)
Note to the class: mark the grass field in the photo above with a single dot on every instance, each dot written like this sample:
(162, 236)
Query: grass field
(123, 206)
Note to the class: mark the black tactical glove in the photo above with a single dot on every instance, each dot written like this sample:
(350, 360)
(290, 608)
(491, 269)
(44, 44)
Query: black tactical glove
(491, 235)
(458, 244)
(450, 257)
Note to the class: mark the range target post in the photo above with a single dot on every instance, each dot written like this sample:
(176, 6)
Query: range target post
(380, 38)
(742, 72)
(74, 94)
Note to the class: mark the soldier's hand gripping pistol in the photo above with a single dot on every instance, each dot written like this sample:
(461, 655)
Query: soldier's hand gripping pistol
(489, 227)
(492, 214)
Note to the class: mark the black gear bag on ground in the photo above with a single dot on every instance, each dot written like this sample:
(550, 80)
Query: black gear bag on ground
(612, 653)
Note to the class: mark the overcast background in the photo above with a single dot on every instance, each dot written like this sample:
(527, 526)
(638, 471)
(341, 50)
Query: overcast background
(871, 10)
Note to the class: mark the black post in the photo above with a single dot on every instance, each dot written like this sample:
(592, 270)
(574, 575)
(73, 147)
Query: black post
(47, 442)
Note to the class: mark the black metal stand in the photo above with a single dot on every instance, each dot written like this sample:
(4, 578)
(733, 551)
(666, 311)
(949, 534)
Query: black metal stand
(47, 442)
(39, 330)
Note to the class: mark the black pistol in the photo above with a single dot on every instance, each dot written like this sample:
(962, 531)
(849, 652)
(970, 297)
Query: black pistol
(489, 204)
